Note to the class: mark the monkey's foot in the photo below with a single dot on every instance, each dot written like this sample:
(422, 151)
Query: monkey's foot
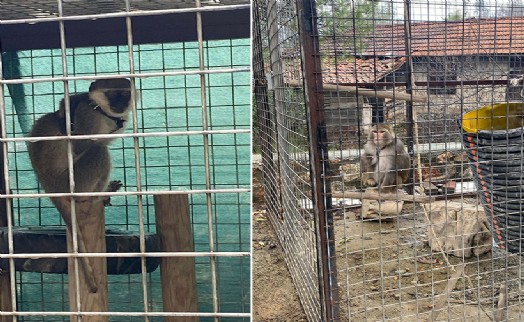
(113, 186)
(370, 182)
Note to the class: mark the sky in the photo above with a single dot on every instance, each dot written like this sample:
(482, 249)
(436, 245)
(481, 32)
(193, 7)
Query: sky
(439, 9)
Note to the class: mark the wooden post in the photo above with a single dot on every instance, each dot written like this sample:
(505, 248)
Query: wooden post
(6, 305)
(5, 297)
(173, 225)
(91, 223)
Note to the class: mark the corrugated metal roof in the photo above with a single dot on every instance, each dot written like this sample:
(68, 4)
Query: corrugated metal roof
(26, 9)
(27, 25)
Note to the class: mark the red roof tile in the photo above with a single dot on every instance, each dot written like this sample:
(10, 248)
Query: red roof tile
(360, 70)
(450, 38)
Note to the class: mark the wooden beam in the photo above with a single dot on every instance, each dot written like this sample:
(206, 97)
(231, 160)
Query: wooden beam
(382, 196)
(178, 276)
(6, 305)
(394, 95)
(401, 197)
(91, 223)
(41, 239)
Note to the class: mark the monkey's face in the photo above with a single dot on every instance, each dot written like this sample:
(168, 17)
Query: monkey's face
(112, 95)
(119, 100)
(379, 137)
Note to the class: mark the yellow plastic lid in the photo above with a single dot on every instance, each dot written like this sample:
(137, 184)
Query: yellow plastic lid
(504, 116)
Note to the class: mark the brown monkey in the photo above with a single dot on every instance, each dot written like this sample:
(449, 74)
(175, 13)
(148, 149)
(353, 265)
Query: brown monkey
(103, 110)
(385, 162)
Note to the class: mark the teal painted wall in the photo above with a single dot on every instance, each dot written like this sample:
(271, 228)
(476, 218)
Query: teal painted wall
(167, 103)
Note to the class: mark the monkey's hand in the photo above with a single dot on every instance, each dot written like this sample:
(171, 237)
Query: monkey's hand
(370, 182)
(113, 186)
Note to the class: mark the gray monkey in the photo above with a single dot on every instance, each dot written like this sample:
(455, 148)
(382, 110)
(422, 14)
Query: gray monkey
(385, 162)
(103, 110)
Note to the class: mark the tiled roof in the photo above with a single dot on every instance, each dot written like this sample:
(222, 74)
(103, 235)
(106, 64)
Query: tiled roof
(360, 70)
(450, 38)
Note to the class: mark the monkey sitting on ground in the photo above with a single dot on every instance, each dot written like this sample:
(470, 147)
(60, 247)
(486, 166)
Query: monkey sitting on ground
(103, 110)
(385, 162)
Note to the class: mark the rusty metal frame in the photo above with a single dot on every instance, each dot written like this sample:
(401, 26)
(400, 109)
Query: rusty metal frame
(274, 162)
(313, 90)
(281, 211)
(263, 109)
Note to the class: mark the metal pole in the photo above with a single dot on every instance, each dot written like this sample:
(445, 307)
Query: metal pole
(409, 85)
(7, 280)
(263, 111)
(321, 186)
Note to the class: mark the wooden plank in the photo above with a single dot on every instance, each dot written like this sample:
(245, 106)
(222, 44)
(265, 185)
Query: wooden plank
(91, 224)
(6, 305)
(400, 197)
(173, 222)
(37, 239)
(382, 196)
(394, 95)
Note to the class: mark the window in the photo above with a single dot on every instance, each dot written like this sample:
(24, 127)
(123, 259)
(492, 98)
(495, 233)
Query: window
(441, 71)
(515, 70)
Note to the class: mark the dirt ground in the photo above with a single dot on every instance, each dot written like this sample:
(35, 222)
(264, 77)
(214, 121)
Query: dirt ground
(386, 271)
(274, 296)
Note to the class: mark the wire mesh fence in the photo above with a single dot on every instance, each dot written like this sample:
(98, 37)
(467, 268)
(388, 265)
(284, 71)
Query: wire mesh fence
(282, 118)
(437, 81)
(187, 135)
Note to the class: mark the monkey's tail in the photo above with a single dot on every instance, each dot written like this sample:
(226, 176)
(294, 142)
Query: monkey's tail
(63, 204)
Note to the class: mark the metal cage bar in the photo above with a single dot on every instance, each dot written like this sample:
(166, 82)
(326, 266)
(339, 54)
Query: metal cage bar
(447, 242)
(225, 198)
(319, 159)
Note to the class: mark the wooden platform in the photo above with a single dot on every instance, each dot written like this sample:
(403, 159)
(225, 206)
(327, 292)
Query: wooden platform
(53, 240)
